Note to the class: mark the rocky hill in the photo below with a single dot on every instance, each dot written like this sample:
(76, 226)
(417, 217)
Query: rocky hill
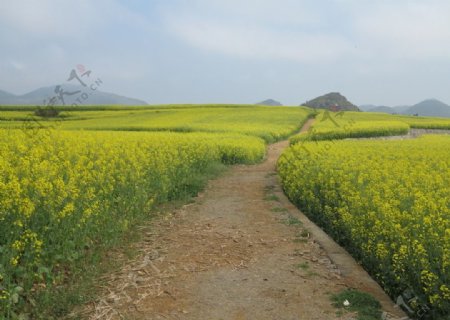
(332, 101)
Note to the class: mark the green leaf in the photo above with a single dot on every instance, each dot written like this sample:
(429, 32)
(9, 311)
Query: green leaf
(15, 298)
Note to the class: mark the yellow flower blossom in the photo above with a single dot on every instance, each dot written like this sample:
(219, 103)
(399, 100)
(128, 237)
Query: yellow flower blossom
(388, 201)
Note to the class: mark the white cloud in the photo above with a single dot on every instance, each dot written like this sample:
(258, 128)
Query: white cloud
(406, 29)
(260, 43)
(43, 39)
(346, 45)
(253, 29)
(308, 31)
(292, 12)
(64, 19)
(46, 18)
(17, 65)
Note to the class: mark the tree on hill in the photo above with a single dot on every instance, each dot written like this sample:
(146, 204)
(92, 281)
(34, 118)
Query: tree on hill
(333, 101)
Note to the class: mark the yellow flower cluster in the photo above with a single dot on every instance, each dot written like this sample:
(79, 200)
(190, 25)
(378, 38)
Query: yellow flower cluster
(388, 202)
(269, 123)
(61, 192)
(342, 125)
(425, 122)
(349, 124)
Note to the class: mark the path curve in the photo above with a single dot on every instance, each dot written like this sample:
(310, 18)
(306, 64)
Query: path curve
(240, 251)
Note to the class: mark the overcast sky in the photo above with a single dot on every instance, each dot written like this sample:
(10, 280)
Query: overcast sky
(232, 51)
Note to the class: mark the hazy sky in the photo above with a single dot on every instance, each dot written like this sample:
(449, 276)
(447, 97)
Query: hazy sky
(232, 51)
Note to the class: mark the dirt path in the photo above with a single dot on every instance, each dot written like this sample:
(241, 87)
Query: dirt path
(241, 251)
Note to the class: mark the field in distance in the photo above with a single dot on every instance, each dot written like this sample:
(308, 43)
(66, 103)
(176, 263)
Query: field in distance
(269, 123)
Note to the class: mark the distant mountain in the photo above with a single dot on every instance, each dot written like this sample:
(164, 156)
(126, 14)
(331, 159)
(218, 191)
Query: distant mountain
(7, 97)
(269, 102)
(72, 94)
(430, 108)
(384, 109)
(367, 107)
(400, 109)
(332, 101)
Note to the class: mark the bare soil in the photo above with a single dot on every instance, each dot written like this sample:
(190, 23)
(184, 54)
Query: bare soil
(240, 251)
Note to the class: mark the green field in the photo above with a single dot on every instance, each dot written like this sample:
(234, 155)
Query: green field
(387, 202)
(71, 186)
(342, 125)
(271, 124)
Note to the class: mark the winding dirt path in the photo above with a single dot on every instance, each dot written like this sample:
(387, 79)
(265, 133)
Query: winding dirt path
(240, 251)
